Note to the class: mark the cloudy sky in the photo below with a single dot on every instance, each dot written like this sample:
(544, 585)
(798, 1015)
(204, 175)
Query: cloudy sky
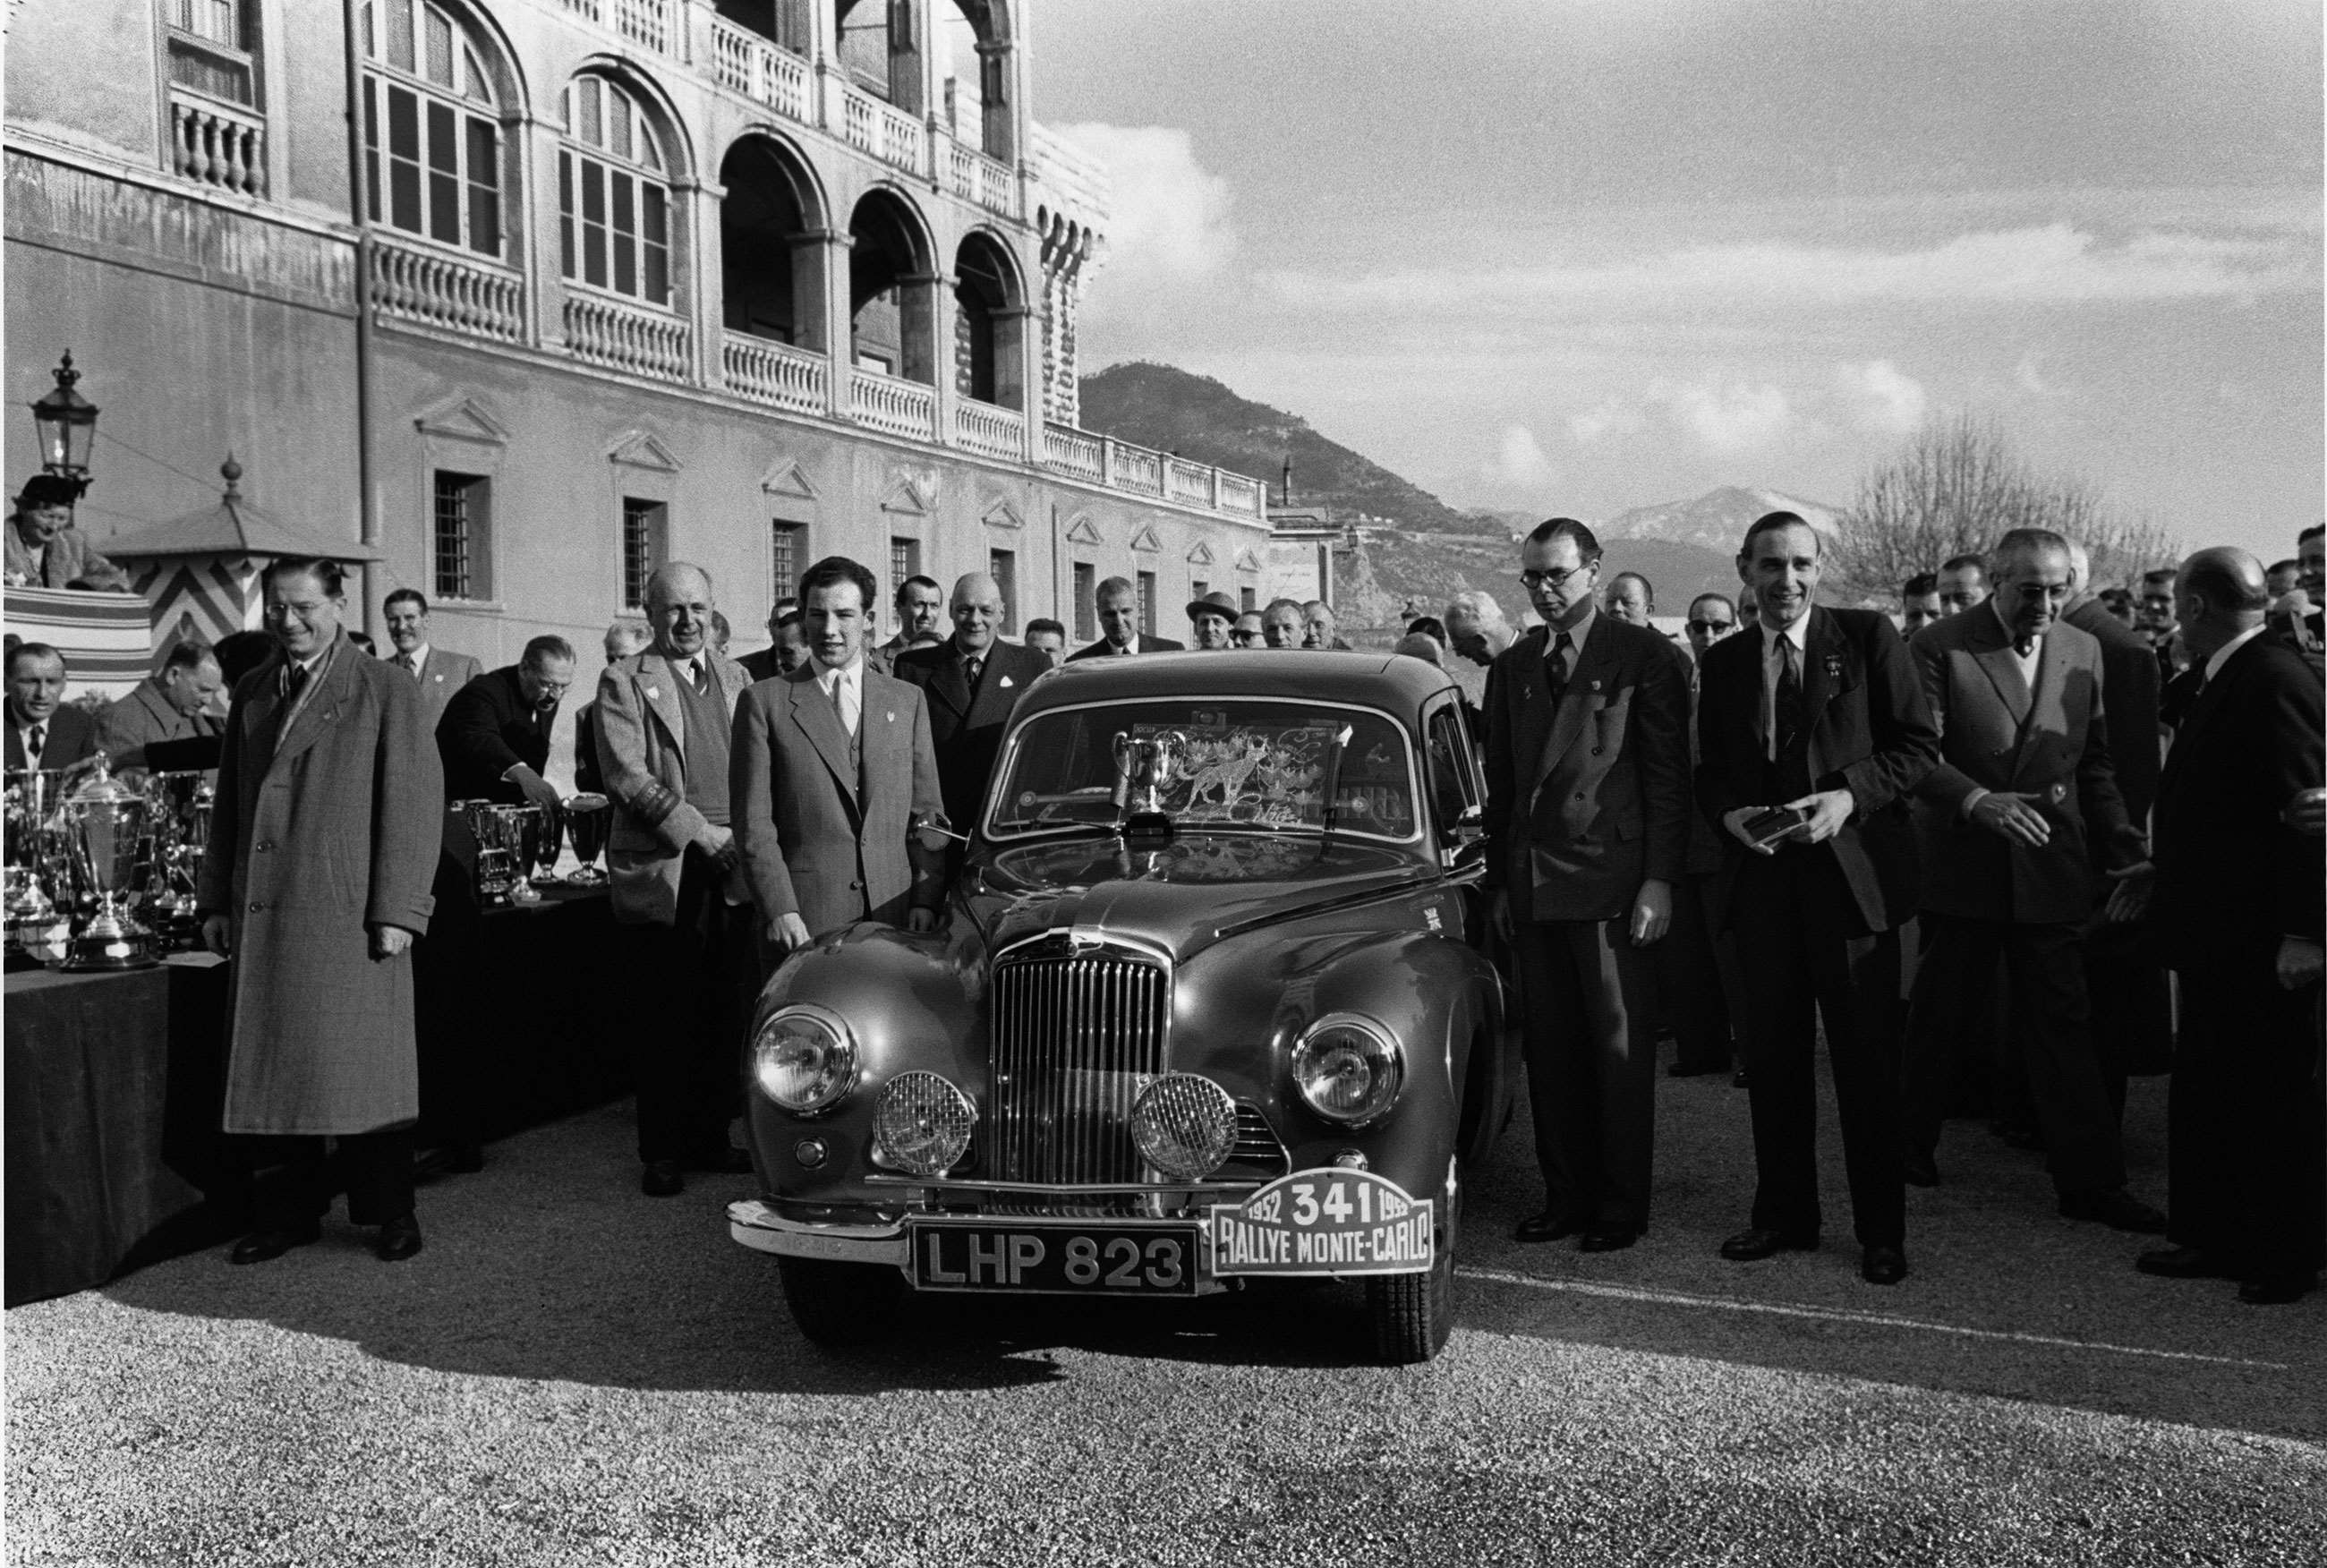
(1587, 254)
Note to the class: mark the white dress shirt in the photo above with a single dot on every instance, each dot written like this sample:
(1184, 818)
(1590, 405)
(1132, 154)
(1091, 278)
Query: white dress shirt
(844, 689)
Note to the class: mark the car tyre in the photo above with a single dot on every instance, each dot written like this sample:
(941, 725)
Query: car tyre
(1413, 1313)
(840, 1303)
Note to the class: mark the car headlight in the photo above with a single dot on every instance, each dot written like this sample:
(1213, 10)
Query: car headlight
(922, 1122)
(805, 1058)
(1347, 1068)
(1184, 1126)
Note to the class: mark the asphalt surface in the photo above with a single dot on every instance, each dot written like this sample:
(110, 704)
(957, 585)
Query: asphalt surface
(572, 1373)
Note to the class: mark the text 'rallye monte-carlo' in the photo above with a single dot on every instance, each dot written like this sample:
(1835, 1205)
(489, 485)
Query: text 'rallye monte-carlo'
(1208, 1010)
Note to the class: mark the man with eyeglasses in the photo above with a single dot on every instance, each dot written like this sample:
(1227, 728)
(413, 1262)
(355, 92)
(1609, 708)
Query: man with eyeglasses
(1587, 823)
(1711, 618)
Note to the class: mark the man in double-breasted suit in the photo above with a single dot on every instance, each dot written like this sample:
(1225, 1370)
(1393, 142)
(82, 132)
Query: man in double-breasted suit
(1818, 711)
(832, 765)
(1587, 820)
(441, 673)
(316, 883)
(972, 683)
(2234, 907)
(2022, 806)
(663, 718)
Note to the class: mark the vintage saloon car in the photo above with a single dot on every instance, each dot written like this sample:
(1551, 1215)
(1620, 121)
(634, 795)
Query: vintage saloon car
(1208, 1010)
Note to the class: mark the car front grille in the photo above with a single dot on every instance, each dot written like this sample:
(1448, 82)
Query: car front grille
(1076, 1036)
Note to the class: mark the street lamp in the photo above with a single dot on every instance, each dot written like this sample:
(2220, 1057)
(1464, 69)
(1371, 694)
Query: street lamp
(67, 422)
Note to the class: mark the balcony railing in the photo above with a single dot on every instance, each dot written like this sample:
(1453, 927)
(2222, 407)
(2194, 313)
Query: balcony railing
(1134, 467)
(218, 145)
(1242, 493)
(980, 179)
(1081, 455)
(985, 428)
(1189, 483)
(889, 134)
(441, 291)
(761, 71)
(774, 373)
(651, 344)
(899, 408)
(649, 23)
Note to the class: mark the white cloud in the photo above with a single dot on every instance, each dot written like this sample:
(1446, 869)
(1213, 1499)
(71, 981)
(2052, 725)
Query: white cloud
(1519, 464)
(1727, 417)
(1610, 417)
(1880, 398)
(1170, 218)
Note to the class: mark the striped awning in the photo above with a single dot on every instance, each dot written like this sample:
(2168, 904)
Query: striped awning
(107, 639)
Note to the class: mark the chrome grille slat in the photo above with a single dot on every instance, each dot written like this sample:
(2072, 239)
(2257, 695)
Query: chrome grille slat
(1073, 1035)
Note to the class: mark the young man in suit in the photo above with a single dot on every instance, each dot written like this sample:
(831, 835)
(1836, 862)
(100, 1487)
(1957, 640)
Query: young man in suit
(2233, 906)
(675, 872)
(1587, 820)
(43, 730)
(1118, 620)
(2023, 804)
(833, 763)
(1817, 712)
(440, 674)
(972, 683)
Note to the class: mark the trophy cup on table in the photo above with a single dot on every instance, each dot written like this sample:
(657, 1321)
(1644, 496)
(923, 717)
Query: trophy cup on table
(589, 822)
(106, 830)
(30, 910)
(495, 867)
(182, 801)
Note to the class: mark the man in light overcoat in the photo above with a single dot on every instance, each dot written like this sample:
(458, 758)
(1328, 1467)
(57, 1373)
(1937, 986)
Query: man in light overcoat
(316, 883)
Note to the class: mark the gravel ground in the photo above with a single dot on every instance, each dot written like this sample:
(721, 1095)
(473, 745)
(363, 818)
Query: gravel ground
(575, 1374)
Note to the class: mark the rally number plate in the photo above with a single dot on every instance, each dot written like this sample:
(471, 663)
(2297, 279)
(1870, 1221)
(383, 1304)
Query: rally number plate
(1055, 1260)
(1327, 1221)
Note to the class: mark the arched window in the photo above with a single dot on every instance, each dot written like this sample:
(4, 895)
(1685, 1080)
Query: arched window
(614, 194)
(432, 127)
(987, 328)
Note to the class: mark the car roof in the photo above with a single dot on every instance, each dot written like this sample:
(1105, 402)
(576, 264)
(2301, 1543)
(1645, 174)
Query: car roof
(1393, 681)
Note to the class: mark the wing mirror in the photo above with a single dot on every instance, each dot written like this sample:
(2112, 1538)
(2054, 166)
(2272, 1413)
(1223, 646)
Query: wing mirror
(1466, 835)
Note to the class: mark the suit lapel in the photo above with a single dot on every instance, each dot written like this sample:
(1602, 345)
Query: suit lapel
(1822, 662)
(812, 712)
(1593, 661)
(948, 684)
(2047, 707)
(335, 689)
(1993, 653)
(658, 680)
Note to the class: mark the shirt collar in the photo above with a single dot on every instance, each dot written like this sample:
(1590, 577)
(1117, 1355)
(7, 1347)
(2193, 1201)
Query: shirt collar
(851, 673)
(2222, 654)
(418, 656)
(1574, 634)
(1798, 634)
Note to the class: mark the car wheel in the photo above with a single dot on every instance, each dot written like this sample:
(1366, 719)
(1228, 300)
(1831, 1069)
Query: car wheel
(1413, 1313)
(840, 1303)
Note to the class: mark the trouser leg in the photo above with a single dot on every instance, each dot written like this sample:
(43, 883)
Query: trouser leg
(1620, 1027)
(1956, 954)
(1768, 932)
(297, 1191)
(2054, 1032)
(376, 1167)
(1858, 1001)
(1689, 981)
(1559, 1075)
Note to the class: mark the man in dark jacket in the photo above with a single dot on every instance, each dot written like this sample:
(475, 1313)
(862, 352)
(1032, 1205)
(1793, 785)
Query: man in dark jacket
(1816, 713)
(43, 729)
(972, 682)
(494, 736)
(1117, 604)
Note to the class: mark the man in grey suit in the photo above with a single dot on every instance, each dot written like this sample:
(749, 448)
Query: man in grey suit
(169, 705)
(833, 764)
(2024, 800)
(441, 675)
(674, 870)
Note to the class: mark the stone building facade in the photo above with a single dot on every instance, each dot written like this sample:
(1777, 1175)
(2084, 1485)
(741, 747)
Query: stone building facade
(529, 295)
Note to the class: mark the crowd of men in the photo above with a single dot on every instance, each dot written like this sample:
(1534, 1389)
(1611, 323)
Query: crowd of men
(2045, 796)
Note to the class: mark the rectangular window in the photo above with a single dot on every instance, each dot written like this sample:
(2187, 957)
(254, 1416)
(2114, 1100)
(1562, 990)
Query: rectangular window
(1198, 588)
(1147, 602)
(444, 175)
(1247, 601)
(625, 227)
(463, 519)
(404, 160)
(643, 532)
(399, 34)
(1086, 601)
(566, 213)
(904, 561)
(593, 223)
(484, 187)
(219, 20)
(787, 543)
(655, 243)
(1003, 566)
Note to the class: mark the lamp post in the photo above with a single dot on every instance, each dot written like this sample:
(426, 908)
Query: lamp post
(67, 422)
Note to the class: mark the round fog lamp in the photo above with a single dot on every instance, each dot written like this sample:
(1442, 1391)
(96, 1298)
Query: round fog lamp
(922, 1122)
(804, 1060)
(1184, 1126)
(1347, 1069)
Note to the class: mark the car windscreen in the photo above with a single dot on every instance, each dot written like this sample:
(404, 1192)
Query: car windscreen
(1261, 764)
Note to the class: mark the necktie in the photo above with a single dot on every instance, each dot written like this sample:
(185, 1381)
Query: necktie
(1789, 710)
(699, 677)
(2025, 647)
(843, 705)
(294, 681)
(36, 740)
(404, 662)
(1555, 669)
(973, 666)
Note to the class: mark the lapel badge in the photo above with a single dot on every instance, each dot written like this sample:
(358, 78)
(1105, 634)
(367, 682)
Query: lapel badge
(653, 695)
(889, 718)
(1833, 666)
(1595, 685)
(1008, 681)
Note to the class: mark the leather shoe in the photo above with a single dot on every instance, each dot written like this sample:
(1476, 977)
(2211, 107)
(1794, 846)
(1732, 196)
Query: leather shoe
(727, 1161)
(1883, 1265)
(1695, 1068)
(1754, 1245)
(2184, 1262)
(1548, 1225)
(260, 1245)
(1609, 1237)
(2115, 1207)
(2277, 1290)
(399, 1238)
(1739, 1082)
(1919, 1167)
(467, 1159)
(661, 1179)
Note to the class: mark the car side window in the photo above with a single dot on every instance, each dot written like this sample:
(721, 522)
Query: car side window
(1453, 778)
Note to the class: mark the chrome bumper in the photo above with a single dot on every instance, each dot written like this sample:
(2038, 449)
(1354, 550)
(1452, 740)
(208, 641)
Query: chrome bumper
(752, 1223)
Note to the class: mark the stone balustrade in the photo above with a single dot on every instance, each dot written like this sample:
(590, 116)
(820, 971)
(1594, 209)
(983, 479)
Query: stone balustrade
(1134, 467)
(438, 290)
(980, 179)
(1074, 452)
(218, 145)
(645, 342)
(1189, 483)
(898, 407)
(774, 373)
(985, 428)
(889, 134)
(751, 65)
(649, 23)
